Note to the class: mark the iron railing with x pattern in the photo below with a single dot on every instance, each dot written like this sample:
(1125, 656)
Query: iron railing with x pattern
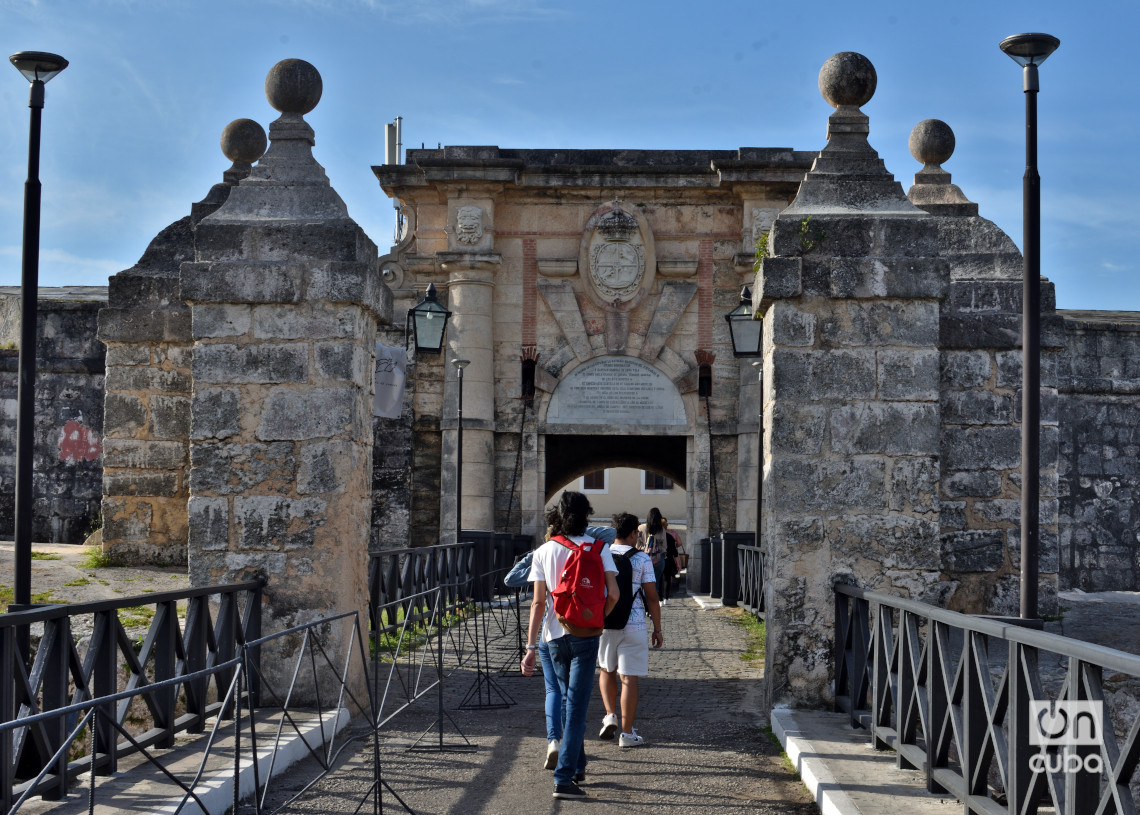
(750, 560)
(114, 662)
(963, 697)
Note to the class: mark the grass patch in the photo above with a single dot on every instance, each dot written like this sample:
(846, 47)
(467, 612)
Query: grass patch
(7, 595)
(754, 627)
(772, 737)
(79, 581)
(43, 597)
(45, 556)
(95, 558)
(136, 616)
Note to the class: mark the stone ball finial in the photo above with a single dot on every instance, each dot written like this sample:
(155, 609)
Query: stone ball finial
(931, 141)
(244, 140)
(847, 78)
(293, 86)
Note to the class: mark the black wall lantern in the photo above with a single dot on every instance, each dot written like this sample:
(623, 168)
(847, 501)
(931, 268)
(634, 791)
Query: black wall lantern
(427, 322)
(745, 331)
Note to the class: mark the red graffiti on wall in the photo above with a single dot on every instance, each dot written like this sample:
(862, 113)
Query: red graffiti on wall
(78, 443)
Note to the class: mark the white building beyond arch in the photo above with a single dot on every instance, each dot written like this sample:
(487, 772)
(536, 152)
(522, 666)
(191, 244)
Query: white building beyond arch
(619, 392)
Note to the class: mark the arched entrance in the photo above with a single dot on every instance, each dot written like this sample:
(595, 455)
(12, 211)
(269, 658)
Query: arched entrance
(571, 455)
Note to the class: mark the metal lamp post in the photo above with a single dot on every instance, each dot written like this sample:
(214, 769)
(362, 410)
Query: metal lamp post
(1029, 51)
(747, 333)
(38, 68)
(459, 364)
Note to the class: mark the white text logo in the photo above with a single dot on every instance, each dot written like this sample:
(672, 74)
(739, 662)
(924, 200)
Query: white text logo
(1064, 725)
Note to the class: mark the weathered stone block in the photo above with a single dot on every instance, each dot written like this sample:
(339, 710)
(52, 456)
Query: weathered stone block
(345, 361)
(998, 510)
(791, 326)
(911, 375)
(971, 484)
(224, 363)
(914, 484)
(893, 541)
(901, 278)
(828, 485)
(292, 322)
(170, 417)
(976, 551)
(814, 375)
(976, 407)
(867, 324)
(952, 515)
(126, 519)
(980, 331)
(312, 414)
(127, 353)
(328, 466)
(163, 484)
(221, 321)
(276, 523)
(144, 378)
(778, 279)
(227, 469)
(797, 428)
(144, 455)
(981, 448)
(215, 413)
(209, 525)
(891, 428)
(966, 369)
(245, 282)
(124, 415)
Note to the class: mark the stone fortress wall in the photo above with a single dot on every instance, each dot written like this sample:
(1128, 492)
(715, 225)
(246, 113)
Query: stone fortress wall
(893, 390)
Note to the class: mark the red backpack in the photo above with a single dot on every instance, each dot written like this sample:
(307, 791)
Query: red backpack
(580, 596)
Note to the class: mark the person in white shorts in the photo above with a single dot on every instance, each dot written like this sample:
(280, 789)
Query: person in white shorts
(624, 651)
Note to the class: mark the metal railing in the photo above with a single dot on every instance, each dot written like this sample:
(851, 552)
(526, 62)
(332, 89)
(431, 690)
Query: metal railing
(953, 696)
(179, 673)
(750, 560)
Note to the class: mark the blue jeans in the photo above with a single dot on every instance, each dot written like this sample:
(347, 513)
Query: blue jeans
(553, 695)
(574, 660)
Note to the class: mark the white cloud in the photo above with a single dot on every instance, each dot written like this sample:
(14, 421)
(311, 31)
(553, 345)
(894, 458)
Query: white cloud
(59, 267)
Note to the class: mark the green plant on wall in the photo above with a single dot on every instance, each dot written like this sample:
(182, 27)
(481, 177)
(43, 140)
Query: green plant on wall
(809, 239)
(761, 250)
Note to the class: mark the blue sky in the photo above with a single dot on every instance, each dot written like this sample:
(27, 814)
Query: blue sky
(131, 128)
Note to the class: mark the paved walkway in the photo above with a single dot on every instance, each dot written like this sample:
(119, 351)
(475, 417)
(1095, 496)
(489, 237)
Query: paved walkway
(707, 750)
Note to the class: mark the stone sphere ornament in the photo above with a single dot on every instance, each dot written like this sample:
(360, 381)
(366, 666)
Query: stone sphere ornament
(931, 141)
(847, 78)
(244, 140)
(293, 86)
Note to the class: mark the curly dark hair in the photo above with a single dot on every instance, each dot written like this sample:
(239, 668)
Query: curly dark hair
(571, 515)
(625, 523)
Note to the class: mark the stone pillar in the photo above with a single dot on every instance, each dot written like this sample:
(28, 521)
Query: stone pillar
(471, 266)
(285, 294)
(146, 329)
(850, 297)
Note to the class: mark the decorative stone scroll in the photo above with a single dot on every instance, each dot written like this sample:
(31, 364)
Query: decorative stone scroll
(618, 391)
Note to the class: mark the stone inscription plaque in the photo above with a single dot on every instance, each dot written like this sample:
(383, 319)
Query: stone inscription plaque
(616, 391)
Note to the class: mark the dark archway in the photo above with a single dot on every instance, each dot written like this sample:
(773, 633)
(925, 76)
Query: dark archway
(569, 456)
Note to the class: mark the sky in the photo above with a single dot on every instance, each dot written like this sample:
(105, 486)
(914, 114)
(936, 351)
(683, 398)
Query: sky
(131, 128)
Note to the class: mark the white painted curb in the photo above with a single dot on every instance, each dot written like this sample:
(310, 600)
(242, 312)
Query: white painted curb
(829, 797)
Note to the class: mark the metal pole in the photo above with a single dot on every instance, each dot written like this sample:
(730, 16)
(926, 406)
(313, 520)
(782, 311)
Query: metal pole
(1031, 354)
(459, 463)
(25, 396)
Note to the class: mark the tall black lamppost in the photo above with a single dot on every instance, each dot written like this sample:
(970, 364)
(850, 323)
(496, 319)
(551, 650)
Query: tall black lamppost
(1029, 51)
(38, 68)
(459, 364)
(747, 334)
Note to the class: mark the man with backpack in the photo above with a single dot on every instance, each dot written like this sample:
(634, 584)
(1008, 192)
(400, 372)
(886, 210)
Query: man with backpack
(583, 578)
(624, 649)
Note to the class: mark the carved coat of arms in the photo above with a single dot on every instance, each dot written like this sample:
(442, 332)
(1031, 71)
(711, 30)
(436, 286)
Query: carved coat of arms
(617, 257)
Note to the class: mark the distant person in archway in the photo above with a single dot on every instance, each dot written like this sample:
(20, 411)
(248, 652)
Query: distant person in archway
(670, 560)
(573, 657)
(651, 540)
(624, 650)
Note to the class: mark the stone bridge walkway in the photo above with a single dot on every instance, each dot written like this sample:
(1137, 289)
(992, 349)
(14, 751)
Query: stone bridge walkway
(707, 750)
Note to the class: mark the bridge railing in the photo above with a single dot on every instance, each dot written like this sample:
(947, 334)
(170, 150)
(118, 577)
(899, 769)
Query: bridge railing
(973, 701)
(750, 562)
(117, 659)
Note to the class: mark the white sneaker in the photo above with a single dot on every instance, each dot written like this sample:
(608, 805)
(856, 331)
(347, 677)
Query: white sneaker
(630, 739)
(610, 726)
(551, 755)
(664, 602)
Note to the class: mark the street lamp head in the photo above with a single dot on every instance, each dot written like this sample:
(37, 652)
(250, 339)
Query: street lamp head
(427, 321)
(1029, 49)
(743, 329)
(38, 65)
(460, 363)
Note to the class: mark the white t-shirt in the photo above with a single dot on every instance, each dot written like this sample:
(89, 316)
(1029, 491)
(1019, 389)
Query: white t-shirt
(642, 573)
(547, 565)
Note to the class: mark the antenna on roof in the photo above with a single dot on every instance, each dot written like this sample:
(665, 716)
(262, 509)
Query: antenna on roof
(393, 145)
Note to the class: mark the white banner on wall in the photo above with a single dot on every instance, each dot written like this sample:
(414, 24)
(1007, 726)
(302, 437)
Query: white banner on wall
(391, 365)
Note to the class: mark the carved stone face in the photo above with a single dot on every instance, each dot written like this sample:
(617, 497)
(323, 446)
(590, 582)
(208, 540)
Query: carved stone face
(761, 222)
(469, 225)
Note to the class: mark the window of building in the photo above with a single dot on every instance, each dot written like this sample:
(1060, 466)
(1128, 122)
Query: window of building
(597, 481)
(656, 483)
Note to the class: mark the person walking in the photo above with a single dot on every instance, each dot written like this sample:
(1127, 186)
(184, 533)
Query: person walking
(651, 540)
(573, 658)
(670, 559)
(624, 650)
